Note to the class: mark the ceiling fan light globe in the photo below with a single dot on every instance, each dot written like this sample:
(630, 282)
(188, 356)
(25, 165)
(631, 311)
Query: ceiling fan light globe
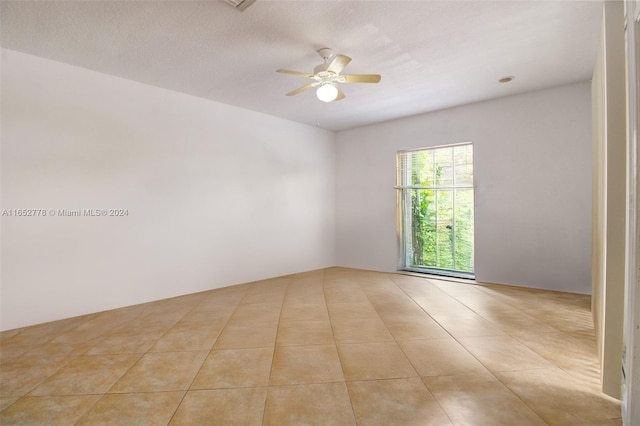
(327, 92)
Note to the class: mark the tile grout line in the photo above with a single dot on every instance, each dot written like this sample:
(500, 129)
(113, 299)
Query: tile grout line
(422, 308)
(515, 338)
(494, 374)
(486, 367)
(374, 291)
(71, 359)
(476, 358)
(273, 353)
(201, 365)
(335, 343)
(108, 390)
(407, 357)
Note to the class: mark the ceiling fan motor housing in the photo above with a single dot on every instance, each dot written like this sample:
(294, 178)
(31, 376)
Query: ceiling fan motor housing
(325, 53)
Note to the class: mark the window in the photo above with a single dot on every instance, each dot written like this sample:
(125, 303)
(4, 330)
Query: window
(435, 210)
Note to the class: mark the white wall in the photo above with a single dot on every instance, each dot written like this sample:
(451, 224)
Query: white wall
(533, 186)
(216, 195)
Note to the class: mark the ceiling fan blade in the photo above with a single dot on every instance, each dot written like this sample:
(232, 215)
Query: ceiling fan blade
(340, 93)
(301, 74)
(361, 78)
(302, 89)
(338, 63)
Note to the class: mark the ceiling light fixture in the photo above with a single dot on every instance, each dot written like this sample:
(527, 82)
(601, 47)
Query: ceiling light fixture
(327, 92)
(506, 79)
(326, 77)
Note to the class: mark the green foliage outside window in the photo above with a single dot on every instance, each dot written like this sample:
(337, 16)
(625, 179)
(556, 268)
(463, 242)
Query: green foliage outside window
(441, 216)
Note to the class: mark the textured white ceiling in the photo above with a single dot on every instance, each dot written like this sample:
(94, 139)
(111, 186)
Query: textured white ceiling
(431, 54)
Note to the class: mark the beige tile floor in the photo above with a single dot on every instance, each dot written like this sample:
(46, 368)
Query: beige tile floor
(330, 347)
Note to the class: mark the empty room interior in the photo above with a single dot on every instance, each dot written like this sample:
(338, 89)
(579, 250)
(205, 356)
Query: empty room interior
(319, 212)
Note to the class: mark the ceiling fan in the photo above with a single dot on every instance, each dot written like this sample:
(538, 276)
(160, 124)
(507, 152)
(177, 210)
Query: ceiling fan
(327, 76)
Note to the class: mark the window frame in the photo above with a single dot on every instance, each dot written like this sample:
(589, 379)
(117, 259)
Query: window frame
(403, 202)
